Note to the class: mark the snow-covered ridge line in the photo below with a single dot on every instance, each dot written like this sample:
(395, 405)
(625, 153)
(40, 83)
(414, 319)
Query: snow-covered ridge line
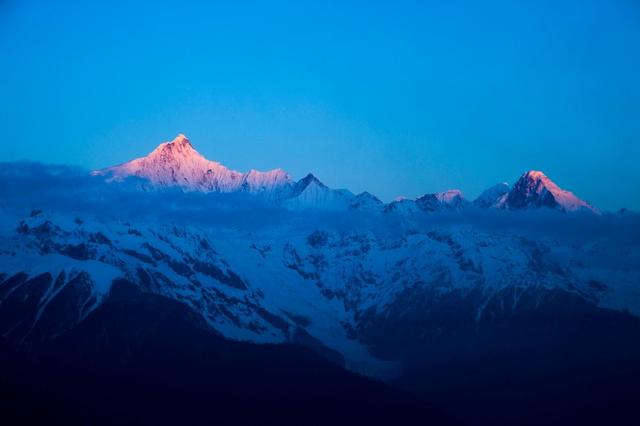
(178, 164)
(534, 189)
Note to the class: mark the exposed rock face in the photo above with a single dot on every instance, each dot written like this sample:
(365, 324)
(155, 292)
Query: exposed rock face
(534, 190)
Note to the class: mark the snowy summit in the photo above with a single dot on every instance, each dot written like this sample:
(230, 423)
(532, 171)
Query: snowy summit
(177, 163)
(534, 189)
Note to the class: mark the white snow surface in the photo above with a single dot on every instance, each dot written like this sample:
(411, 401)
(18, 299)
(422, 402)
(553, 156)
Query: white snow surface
(318, 278)
(177, 163)
(314, 270)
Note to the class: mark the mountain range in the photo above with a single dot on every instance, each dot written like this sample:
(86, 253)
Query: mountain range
(522, 305)
(178, 164)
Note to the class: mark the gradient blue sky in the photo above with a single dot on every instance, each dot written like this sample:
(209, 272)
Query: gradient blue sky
(398, 98)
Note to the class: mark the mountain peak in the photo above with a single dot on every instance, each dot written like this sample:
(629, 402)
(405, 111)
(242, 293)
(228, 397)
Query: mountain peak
(492, 196)
(452, 199)
(181, 139)
(180, 145)
(534, 189)
(449, 196)
(366, 201)
(309, 179)
(535, 174)
(177, 163)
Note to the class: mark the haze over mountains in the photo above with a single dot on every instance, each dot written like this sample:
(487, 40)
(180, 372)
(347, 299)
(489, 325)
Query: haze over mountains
(498, 309)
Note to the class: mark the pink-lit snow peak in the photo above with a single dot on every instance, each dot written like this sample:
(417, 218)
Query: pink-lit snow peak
(534, 189)
(450, 196)
(177, 163)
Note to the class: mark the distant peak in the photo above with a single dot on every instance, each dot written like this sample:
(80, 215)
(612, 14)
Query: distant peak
(273, 172)
(366, 195)
(537, 178)
(534, 174)
(309, 178)
(177, 163)
(179, 147)
(449, 195)
(181, 138)
(180, 141)
(444, 196)
(492, 196)
(452, 199)
(534, 189)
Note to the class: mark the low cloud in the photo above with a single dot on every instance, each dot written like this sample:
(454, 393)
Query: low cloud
(26, 186)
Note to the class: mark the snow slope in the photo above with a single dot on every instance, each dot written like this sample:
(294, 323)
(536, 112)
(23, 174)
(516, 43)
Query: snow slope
(177, 163)
(322, 267)
(534, 189)
(299, 281)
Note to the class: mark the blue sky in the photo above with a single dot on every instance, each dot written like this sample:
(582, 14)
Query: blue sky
(397, 98)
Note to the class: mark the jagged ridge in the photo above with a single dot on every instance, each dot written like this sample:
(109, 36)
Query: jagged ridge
(177, 163)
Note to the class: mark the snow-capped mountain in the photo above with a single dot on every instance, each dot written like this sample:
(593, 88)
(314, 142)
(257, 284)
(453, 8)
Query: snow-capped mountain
(366, 201)
(534, 190)
(492, 196)
(447, 201)
(309, 192)
(381, 289)
(177, 163)
(403, 206)
(452, 199)
(272, 285)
